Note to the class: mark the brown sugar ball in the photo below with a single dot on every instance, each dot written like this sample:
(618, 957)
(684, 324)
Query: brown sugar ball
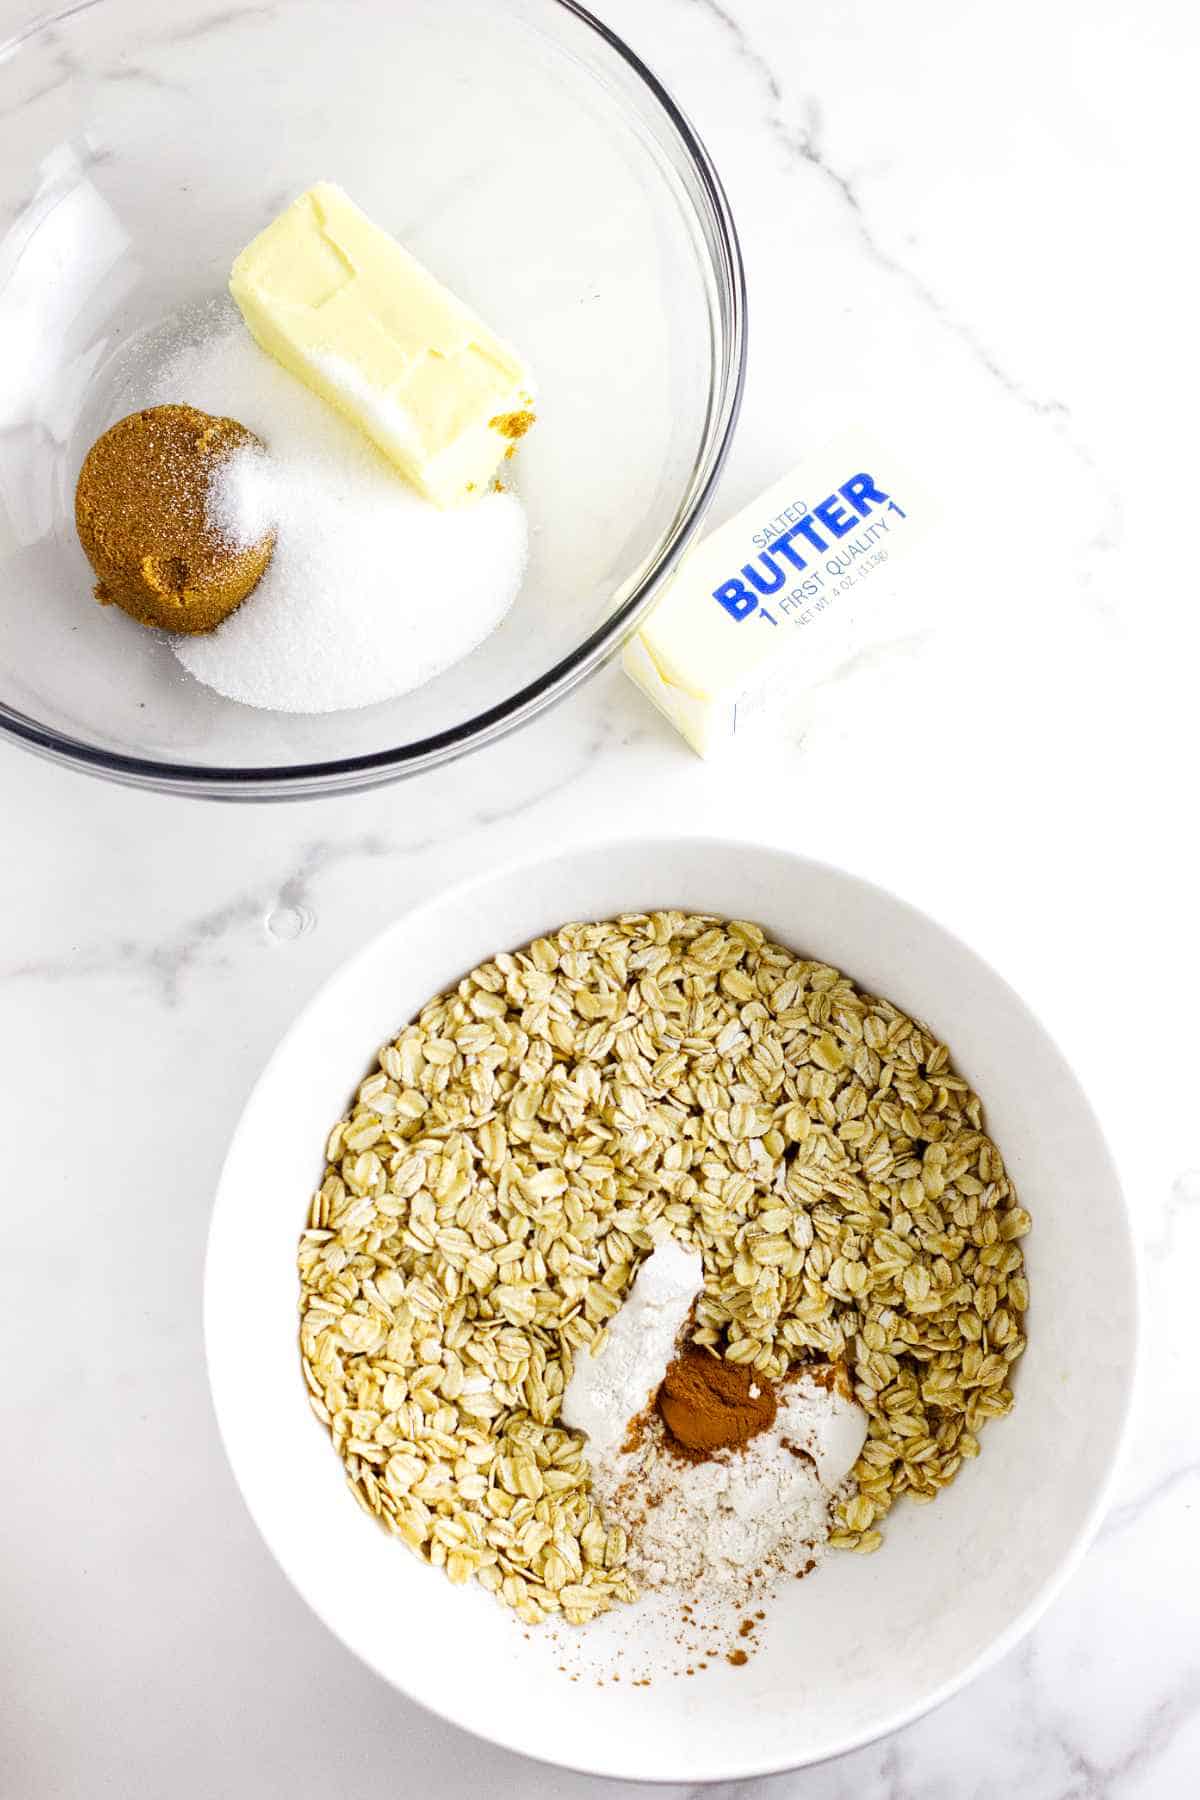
(143, 518)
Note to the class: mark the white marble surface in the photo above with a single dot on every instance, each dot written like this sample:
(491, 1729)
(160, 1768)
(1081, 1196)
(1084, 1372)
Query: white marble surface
(964, 226)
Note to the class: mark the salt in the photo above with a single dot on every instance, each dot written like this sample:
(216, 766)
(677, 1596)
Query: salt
(371, 591)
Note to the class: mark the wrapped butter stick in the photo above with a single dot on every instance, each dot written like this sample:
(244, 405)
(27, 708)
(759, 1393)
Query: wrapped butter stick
(775, 599)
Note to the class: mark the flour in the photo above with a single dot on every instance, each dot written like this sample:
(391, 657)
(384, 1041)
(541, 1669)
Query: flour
(745, 1516)
(608, 1390)
(740, 1517)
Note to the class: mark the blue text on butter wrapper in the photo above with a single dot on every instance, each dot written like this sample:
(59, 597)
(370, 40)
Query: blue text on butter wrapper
(860, 492)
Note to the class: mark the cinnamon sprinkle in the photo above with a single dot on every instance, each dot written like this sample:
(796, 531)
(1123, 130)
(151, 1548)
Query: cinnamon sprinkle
(708, 1404)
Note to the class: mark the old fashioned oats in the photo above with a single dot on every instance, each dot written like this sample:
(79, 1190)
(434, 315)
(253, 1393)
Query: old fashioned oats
(520, 1148)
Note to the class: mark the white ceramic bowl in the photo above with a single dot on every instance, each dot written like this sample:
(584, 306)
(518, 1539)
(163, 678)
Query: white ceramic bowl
(866, 1644)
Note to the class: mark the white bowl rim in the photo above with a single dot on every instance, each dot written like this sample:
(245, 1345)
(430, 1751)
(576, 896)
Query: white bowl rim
(1053, 1584)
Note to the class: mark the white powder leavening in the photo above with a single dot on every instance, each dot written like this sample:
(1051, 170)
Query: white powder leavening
(606, 1391)
(372, 590)
(746, 1516)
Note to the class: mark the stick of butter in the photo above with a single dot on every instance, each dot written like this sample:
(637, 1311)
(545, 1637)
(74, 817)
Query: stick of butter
(361, 322)
(772, 600)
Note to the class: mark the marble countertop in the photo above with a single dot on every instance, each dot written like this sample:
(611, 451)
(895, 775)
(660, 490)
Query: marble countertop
(961, 229)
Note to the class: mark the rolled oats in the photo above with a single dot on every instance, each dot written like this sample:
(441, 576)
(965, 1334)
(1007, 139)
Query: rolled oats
(523, 1143)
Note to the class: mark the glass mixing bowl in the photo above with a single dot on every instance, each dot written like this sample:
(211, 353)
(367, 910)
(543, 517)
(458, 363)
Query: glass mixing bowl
(523, 153)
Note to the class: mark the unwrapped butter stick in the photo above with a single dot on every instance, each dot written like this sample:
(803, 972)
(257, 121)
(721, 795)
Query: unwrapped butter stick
(775, 599)
(361, 322)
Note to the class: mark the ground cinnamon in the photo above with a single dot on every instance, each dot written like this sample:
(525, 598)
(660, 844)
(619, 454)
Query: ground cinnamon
(708, 1404)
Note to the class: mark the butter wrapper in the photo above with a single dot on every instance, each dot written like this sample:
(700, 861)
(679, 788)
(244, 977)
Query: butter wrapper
(776, 599)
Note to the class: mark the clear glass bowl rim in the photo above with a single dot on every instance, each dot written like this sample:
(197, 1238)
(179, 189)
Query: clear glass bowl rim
(305, 780)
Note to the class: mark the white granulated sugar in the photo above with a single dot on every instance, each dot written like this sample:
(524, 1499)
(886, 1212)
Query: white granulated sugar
(240, 503)
(372, 590)
(745, 1516)
(608, 1390)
